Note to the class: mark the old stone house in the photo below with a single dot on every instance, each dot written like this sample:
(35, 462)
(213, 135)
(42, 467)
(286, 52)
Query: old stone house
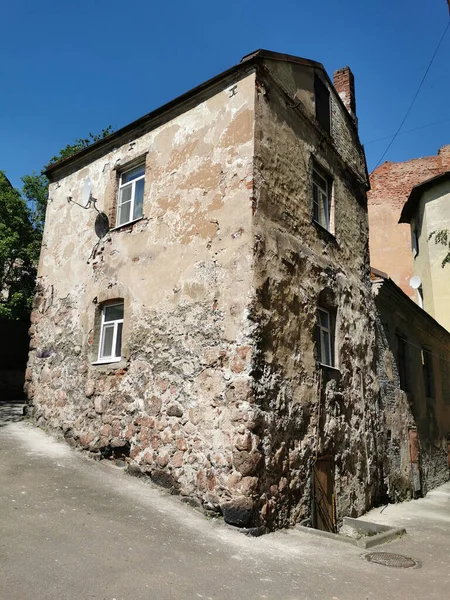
(221, 332)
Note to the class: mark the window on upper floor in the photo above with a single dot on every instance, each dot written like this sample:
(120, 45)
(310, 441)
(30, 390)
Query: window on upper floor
(322, 101)
(420, 296)
(428, 373)
(322, 197)
(131, 195)
(415, 242)
(325, 337)
(110, 343)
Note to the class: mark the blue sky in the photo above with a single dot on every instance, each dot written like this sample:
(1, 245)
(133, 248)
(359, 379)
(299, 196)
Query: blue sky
(69, 68)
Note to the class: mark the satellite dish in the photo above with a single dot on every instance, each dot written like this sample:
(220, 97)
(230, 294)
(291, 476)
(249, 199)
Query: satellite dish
(86, 193)
(101, 225)
(415, 282)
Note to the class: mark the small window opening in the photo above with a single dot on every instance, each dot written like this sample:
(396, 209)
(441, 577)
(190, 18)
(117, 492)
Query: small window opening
(131, 195)
(420, 296)
(415, 242)
(321, 198)
(110, 346)
(322, 100)
(325, 337)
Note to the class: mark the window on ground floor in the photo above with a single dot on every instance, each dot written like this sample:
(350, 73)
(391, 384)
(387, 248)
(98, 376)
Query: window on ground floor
(110, 344)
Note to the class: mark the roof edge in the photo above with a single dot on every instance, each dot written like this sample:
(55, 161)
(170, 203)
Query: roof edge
(111, 140)
(409, 302)
(415, 194)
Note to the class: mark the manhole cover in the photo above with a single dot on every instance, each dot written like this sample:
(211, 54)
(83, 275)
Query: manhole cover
(391, 560)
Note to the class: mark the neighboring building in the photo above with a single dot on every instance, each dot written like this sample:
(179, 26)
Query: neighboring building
(222, 332)
(391, 184)
(427, 210)
(414, 355)
(17, 278)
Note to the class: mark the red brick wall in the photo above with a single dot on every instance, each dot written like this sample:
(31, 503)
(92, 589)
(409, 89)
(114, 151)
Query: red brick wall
(391, 184)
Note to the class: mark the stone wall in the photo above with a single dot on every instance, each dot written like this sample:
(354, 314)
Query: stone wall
(411, 409)
(219, 394)
(178, 401)
(307, 411)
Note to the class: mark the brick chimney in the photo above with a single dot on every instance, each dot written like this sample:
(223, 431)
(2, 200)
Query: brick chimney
(344, 83)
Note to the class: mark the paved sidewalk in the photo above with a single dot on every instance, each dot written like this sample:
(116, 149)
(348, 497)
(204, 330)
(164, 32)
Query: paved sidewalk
(72, 528)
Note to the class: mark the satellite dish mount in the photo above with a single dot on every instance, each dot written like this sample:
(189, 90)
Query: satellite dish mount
(415, 282)
(87, 198)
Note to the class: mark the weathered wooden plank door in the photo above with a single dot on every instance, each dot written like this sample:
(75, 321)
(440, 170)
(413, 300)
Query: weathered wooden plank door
(323, 490)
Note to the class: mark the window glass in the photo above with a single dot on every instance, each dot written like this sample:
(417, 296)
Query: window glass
(108, 335)
(119, 339)
(325, 339)
(113, 312)
(124, 213)
(131, 195)
(111, 332)
(324, 318)
(321, 200)
(322, 100)
(415, 242)
(133, 174)
(138, 198)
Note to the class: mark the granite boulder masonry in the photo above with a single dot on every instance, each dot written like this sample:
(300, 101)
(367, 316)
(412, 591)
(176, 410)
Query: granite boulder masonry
(220, 334)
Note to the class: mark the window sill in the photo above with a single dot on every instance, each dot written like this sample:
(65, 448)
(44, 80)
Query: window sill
(107, 361)
(126, 225)
(330, 237)
(324, 366)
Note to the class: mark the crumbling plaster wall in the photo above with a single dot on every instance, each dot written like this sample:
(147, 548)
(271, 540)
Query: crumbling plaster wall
(180, 398)
(307, 411)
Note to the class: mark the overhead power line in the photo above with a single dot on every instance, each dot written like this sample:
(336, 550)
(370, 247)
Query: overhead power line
(415, 95)
(388, 137)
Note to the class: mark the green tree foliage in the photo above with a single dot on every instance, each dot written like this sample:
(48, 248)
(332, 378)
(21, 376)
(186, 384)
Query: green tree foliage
(35, 190)
(442, 237)
(79, 144)
(19, 251)
(35, 186)
(22, 218)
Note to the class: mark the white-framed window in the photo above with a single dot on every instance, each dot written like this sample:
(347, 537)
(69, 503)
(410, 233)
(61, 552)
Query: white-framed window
(110, 345)
(321, 199)
(131, 195)
(325, 337)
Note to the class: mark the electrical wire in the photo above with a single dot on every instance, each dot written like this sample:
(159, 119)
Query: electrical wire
(415, 95)
(388, 137)
(425, 350)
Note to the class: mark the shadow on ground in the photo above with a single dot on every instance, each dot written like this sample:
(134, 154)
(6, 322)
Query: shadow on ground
(11, 411)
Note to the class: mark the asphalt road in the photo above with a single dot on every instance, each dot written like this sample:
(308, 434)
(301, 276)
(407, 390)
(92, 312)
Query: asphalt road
(72, 528)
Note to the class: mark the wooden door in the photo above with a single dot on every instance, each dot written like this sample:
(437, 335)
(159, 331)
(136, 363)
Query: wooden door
(323, 490)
